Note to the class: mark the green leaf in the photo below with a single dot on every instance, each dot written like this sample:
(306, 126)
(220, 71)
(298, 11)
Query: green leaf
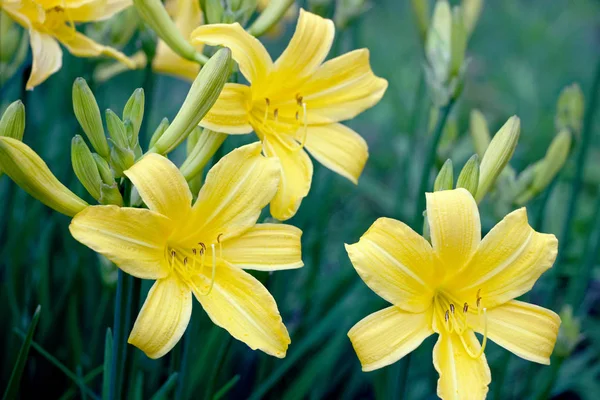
(108, 345)
(165, 389)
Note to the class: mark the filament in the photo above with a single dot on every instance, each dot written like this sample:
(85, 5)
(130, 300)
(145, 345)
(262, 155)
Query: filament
(483, 343)
(266, 110)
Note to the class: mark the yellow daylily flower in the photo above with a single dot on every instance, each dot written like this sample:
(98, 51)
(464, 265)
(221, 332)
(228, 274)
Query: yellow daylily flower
(199, 250)
(457, 285)
(187, 16)
(52, 21)
(296, 102)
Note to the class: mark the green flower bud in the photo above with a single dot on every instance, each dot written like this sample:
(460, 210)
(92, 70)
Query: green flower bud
(270, 16)
(569, 109)
(116, 129)
(458, 42)
(104, 170)
(109, 272)
(202, 96)
(134, 111)
(121, 158)
(569, 334)
(523, 190)
(85, 167)
(421, 11)
(158, 132)
(347, 11)
(555, 158)
(205, 147)
(471, 12)
(469, 176)
(12, 123)
(213, 10)
(480, 132)
(445, 178)
(497, 155)
(109, 194)
(438, 45)
(88, 114)
(32, 174)
(154, 14)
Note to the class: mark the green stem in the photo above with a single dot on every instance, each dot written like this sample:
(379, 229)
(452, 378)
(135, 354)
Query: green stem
(220, 360)
(429, 161)
(130, 355)
(117, 329)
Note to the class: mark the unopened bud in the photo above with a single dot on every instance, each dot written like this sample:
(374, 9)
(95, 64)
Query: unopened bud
(438, 45)
(154, 14)
(88, 114)
(569, 109)
(480, 132)
(497, 155)
(104, 170)
(202, 96)
(421, 11)
(458, 42)
(134, 111)
(523, 188)
(555, 158)
(12, 124)
(158, 132)
(109, 194)
(121, 158)
(445, 178)
(569, 334)
(31, 173)
(270, 16)
(471, 12)
(213, 10)
(207, 144)
(85, 167)
(116, 129)
(469, 176)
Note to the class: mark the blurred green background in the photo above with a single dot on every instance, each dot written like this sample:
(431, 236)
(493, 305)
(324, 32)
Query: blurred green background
(522, 54)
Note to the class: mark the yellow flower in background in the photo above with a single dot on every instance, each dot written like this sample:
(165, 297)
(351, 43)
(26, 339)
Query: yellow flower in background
(458, 285)
(187, 16)
(201, 249)
(296, 102)
(52, 21)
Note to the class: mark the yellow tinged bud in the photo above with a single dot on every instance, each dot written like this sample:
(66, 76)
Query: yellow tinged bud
(469, 176)
(12, 124)
(32, 174)
(445, 178)
(116, 129)
(121, 159)
(207, 144)
(158, 132)
(134, 112)
(104, 170)
(497, 155)
(471, 12)
(480, 132)
(155, 15)
(202, 96)
(569, 109)
(569, 334)
(555, 159)
(421, 11)
(109, 194)
(85, 167)
(88, 114)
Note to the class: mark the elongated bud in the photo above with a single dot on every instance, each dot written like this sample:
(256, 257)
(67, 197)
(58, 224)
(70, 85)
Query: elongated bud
(445, 178)
(121, 158)
(88, 114)
(134, 111)
(202, 96)
(555, 159)
(12, 124)
(471, 12)
(206, 146)
(110, 194)
(569, 109)
(523, 188)
(421, 12)
(116, 129)
(154, 14)
(85, 167)
(469, 176)
(438, 45)
(480, 132)
(158, 132)
(272, 14)
(458, 45)
(497, 155)
(104, 170)
(569, 334)
(31, 173)
(213, 10)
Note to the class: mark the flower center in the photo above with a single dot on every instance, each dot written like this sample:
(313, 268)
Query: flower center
(453, 316)
(284, 118)
(189, 264)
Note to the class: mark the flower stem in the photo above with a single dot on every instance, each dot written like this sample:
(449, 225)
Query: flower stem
(220, 360)
(429, 160)
(114, 370)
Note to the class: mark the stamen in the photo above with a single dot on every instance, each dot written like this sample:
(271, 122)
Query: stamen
(214, 269)
(452, 308)
(483, 343)
(276, 114)
(465, 308)
(305, 122)
(266, 110)
(446, 316)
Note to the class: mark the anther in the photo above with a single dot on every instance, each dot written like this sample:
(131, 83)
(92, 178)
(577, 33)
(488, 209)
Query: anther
(447, 316)
(297, 116)
(268, 101)
(203, 249)
(194, 251)
(299, 100)
(452, 308)
(219, 238)
(465, 308)
(276, 114)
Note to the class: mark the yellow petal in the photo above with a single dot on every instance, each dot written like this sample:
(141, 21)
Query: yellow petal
(132, 238)
(265, 247)
(230, 113)
(386, 336)
(239, 303)
(296, 175)
(94, 10)
(461, 377)
(307, 48)
(47, 57)
(162, 187)
(455, 227)
(82, 46)
(237, 188)
(342, 88)
(163, 318)
(252, 57)
(396, 263)
(507, 263)
(338, 148)
(527, 330)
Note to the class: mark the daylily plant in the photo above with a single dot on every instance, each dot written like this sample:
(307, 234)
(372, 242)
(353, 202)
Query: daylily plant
(52, 21)
(455, 286)
(201, 249)
(296, 102)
